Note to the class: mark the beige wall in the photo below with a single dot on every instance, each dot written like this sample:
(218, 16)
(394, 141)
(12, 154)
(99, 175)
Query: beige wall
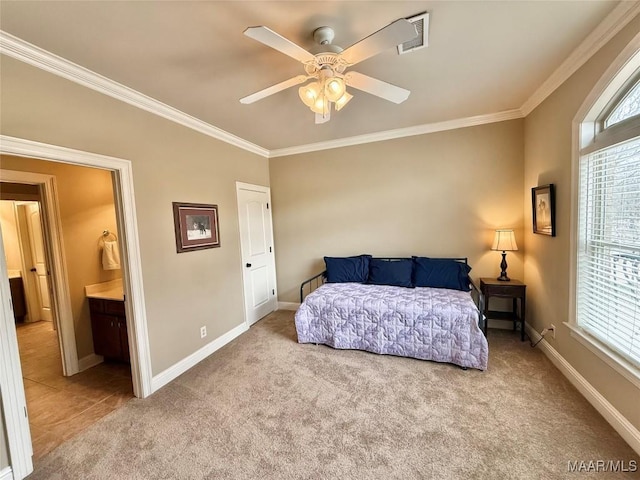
(87, 208)
(10, 235)
(182, 292)
(548, 143)
(441, 194)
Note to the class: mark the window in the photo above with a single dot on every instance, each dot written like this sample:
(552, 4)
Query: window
(608, 229)
(625, 108)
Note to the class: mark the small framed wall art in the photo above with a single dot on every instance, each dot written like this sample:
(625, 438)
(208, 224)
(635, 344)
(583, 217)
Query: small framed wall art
(543, 201)
(196, 226)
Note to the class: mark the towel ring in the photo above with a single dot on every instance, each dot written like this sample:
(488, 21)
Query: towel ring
(107, 236)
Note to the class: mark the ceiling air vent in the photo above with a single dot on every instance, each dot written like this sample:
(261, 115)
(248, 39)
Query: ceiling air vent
(421, 22)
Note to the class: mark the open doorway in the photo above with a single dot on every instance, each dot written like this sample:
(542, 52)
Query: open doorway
(13, 393)
(60, 402)
(26, 259)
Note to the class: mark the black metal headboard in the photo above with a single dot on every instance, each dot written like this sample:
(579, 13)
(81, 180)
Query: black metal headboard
(319, 279)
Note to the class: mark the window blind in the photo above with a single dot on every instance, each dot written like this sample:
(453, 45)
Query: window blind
(608, 280)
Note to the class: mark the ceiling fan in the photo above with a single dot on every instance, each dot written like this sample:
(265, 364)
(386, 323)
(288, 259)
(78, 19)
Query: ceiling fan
(327, 67)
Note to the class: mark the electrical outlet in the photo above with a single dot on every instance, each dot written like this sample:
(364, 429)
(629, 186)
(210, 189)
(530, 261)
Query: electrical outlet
(552, 329)
(203, 332)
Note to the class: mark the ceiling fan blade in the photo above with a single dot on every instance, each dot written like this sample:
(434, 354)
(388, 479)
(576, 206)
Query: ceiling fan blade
(278, 42)
(392, 35)
(278, 87)
(376, 87)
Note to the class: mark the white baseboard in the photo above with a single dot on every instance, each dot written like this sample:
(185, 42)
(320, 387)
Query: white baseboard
(89, 361)
(288, 306)
(620, 424)
(6, 474)
(160, 380)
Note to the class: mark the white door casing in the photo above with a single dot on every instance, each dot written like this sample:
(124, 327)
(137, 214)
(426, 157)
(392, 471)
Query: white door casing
(258, 256)
(130, 245)
(11, 385)
(39, 262)
(50, 218)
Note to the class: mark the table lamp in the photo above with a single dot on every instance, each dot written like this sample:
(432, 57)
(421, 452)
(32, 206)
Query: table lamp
(504, 240)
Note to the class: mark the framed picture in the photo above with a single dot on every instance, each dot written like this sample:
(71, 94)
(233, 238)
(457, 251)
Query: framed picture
(196, 226)
(544, 210)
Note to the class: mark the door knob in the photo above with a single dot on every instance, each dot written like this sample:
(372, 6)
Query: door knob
(33, 269)
(248, 265)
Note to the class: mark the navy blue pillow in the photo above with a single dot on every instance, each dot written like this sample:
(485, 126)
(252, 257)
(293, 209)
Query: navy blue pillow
(347, 269)
(441, 273)
(390, 272)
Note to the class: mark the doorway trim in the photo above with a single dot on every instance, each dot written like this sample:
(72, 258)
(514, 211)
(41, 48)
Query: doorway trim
(13, 402)
(54, 247)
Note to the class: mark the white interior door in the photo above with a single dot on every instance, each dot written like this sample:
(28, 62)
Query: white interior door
(258, 258)
(39, 261)
(12, 399)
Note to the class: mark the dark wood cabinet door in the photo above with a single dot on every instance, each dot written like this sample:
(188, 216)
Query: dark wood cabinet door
(17, 298)
(96, 305)
(109, 325)
(106, 335)
(114, 307)
(124, 339)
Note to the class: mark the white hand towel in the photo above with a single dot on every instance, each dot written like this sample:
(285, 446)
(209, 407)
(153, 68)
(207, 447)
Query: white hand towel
(110, 256)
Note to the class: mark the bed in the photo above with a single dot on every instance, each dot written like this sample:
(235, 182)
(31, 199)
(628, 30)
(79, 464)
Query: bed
(428, 323)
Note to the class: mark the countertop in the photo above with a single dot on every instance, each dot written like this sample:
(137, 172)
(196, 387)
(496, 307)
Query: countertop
(112, 290)
(14, 273)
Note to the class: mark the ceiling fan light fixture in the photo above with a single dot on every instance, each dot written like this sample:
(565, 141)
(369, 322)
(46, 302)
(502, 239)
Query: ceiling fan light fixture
(309, 93)
(327, 67)
(321, 105)
(343, 100)
(334, 89)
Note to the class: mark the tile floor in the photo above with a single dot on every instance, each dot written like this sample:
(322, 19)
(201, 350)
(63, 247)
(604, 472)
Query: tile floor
(60, 407)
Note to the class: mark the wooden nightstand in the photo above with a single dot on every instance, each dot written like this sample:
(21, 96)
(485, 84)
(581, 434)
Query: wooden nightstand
(514, 289)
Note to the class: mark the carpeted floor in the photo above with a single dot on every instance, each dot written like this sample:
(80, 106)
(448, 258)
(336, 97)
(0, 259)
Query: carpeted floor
(265, 407)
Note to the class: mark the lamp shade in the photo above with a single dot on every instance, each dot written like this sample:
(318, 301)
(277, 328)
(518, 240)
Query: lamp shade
(343, 100)
(309, 93)
(504, 240)
(320, 105)
(334, 89)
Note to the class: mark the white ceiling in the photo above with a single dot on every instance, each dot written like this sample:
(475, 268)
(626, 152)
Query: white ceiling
(483, 57)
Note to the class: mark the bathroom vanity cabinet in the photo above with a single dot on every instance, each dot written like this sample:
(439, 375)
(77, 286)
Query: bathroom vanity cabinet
(109, 328)
(17, 298)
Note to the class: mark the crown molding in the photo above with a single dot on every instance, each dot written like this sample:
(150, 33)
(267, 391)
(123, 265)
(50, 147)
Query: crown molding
(400, 133)
(17, 48)
(25, 52)
(605, 31)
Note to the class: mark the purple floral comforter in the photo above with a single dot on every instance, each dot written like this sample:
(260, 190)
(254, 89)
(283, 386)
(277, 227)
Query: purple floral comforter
(426, 323)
